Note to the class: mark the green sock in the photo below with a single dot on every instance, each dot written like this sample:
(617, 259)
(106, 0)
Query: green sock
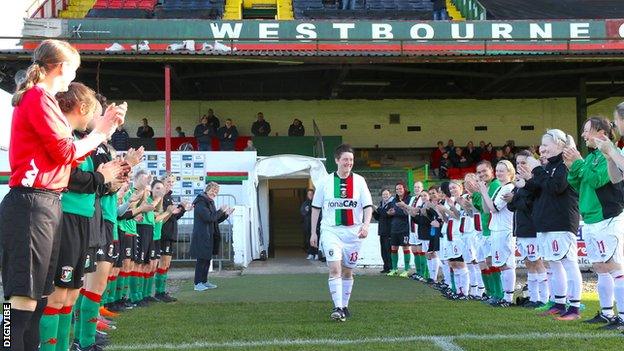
(105, 294)
(48, 329)
(160, 281)
(77, 329)
(145, 285)
(394, 256)
(417, 263)
(134, 287)
(407, 258)
(64, 327)
(89, 310)
(122, 287)
(113, 290)
(453, 287)
(149, 285)
(487, 282)
(125, 292)
(164, 282)
(425, 267)
(498, 284)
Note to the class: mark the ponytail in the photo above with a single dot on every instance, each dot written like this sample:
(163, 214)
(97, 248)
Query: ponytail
(48, 54)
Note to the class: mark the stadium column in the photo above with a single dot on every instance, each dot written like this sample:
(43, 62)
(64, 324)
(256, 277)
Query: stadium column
(581, 113)
(168, 118)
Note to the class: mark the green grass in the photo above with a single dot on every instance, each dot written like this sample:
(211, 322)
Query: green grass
(246, 311)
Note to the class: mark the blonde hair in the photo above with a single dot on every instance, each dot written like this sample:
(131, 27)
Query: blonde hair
(77, 94)
(559, 137)
(510, 167)
(49, 53)
(211, 185)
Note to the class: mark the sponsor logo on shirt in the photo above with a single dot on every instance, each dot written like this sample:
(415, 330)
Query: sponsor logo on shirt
(339, 203)
(29, 176)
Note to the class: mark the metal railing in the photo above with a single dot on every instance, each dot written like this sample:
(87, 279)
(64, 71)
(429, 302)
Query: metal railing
(185, 232)
(471, 9)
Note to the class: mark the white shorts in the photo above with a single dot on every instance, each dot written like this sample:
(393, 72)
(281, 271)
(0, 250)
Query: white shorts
(454, 248)
(503, 248)
(528, 248)
(413, 239)
(483, 247)
(341, 243)
(605, 240)
(425, 245)
(469, 246)
(554, 246)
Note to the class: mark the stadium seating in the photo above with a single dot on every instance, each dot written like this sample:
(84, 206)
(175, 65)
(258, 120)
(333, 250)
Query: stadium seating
(206, 9)
(269, 9)
(553, 9)
(123, 9)
(77, 9)
(364, 9)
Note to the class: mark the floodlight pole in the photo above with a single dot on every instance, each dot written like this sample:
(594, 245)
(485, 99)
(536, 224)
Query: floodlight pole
(581, 114)
(168, 118)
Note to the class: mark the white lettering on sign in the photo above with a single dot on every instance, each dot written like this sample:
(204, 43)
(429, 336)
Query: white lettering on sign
(268, 30)
(306, 31)
(382, 31)
(579, 30)
(469, 30)
(417, 28)
(344, 29)
(501, 30)
(536, 31)
(223, 30)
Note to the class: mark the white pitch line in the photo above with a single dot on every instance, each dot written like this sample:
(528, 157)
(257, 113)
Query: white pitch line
(445, 342)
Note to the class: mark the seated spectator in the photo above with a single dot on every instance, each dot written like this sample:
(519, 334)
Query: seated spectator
(296, 128)
(180, 133)
(460, 160)
(348, 4)
(472, 153)
(498, 156)
(489, 153)
(145, 131)
(436, 156)
(508, 154)
(120, 139)
(445, 164)
(450, 146)
(228, 135)
(261, 127)
(480, 149)
(204, 133)
(213, 121)
(250, 146)
(439, 10)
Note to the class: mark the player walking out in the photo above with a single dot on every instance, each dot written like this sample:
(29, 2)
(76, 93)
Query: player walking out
(347, 210)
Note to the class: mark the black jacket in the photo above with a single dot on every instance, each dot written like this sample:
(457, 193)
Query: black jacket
(382, 218)
(170, 227)
(400, 219)
(424, 223)
(145, 132)
(228, 136)
(206, 235)
(522, 207)
(294, 130)
(261, 128)
(199, 133)
(556, 204)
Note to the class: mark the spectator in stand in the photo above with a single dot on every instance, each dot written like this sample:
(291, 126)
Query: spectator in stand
(180, 133)
(228, 135)
(472, 153)
(450, 146)
(296, 128)
(480, 150)
(459, 160)
(120, 139)
(213, 121)
(436, 157)
(250, 146)
(508, 154)
(439, 10)
(348, 4)
(498, 156)
(204, 133)
(445, 164)
(488, 153)
(145, 131)
(261, 127)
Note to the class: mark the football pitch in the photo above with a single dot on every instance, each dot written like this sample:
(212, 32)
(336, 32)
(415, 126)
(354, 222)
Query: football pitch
(291, 312)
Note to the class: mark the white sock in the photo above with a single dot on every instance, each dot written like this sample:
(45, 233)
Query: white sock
(508, 277)
(478, 279)
(474, 281)
(558, 282)
(446, 271)
(433, 265)
(551, 290)
(618, 278)
(533, 287)
(335, 289)
(347, 286)
(575, 281)
(544, 287)
(462, 280)
(606, 286)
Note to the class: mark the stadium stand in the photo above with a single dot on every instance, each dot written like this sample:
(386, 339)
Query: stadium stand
(269, 9)
(77, 9)
(364, 9)
(553, 9)
(122, 9)
(206, 9)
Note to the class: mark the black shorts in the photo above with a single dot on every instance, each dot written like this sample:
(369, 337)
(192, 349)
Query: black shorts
(74, 256)
(128, 246)
(457, 259)
(434, 244)
(166, 247)
(399, 239)
(90, 262)
(155, 250)
(108, 252)
(119, 260)
(30, 224)
(146, 243)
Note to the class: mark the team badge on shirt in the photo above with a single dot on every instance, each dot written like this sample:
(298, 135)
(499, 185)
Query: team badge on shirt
(331, 253)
